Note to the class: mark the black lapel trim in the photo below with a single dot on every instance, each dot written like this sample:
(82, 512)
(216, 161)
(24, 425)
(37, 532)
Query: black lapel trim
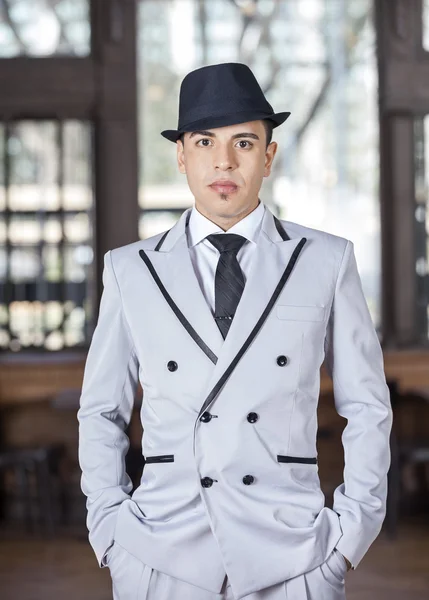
(221, 382)
(161, 241)
(280, 229)
(201, 343)
(161, 458)
(296, 459)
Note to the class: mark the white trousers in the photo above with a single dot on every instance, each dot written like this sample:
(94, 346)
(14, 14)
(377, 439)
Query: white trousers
(135, 580)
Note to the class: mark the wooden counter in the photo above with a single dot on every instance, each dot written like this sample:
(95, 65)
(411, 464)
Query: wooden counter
(33, 378)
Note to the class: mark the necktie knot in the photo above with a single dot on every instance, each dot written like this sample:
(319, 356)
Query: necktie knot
(227, 242)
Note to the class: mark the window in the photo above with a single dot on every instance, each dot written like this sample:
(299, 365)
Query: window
(44, 28)
(68, 152)
(46, 233)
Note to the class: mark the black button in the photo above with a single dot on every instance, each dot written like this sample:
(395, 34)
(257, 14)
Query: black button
(206, 482)
(252, 417)
(172, 365)
(248, 479)
(205, 417)
(282, 360)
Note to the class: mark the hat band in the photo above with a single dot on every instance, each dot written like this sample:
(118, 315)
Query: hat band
(261, 114)
(219, 109)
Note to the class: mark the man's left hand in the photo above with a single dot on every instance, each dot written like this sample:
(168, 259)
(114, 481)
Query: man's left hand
(348, 563)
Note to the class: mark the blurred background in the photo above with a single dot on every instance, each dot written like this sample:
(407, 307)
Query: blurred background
(86, 87)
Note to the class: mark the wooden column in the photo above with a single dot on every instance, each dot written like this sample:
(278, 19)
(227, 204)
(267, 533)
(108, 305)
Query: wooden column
(403, 95)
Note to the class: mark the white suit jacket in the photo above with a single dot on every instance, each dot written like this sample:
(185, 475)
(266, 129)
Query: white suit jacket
(231, 483)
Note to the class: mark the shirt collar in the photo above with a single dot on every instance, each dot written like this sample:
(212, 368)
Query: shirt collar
(199, 226)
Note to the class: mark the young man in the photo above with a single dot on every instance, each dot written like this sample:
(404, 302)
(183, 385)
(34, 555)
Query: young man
(225, 320)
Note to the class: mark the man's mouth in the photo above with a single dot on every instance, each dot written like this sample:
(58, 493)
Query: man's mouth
(224, 187)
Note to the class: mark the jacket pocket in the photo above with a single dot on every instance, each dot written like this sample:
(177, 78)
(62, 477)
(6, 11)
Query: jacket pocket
(296, 459)
(300, 313)
(160, 458)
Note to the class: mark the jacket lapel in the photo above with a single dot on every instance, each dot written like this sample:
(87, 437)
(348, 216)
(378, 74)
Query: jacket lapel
(177, 281)
(173, 265)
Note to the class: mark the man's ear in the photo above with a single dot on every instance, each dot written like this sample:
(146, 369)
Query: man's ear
(269, 157)
(181, 156)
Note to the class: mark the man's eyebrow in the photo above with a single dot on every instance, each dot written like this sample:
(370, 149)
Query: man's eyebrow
(233, 137)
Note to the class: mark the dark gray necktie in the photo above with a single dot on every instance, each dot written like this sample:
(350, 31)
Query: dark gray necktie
(229, 278)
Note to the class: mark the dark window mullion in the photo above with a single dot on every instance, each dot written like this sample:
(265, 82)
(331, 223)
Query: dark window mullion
(60, 143)
(7, 213)
(420, 238)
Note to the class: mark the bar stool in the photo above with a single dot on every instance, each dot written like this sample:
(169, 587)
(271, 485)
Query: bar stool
(40, 466)
(407, 449)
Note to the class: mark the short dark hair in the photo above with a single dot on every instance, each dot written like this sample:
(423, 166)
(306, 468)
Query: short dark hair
(268, 124)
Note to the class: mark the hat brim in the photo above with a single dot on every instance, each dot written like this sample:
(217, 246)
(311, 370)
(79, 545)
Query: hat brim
(231, 119)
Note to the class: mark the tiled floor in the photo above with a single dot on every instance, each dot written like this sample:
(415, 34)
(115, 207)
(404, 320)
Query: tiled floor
(66, 568)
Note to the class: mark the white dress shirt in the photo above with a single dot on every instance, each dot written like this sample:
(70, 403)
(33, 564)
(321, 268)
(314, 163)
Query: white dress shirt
(205, 256)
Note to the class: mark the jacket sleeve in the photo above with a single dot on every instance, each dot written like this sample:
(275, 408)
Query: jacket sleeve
(107, 397)
(354, 360)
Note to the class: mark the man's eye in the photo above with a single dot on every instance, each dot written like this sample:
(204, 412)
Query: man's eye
(249, 144)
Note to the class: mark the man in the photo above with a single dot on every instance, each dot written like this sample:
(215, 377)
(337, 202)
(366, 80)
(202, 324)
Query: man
(225, 320)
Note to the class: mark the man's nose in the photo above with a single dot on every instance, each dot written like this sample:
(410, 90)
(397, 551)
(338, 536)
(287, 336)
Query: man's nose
(225, 158)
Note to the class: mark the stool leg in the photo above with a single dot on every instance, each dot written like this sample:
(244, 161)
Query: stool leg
(24, 487)
(46, 496)
(2, 494)
(61, 497)
(63, 500)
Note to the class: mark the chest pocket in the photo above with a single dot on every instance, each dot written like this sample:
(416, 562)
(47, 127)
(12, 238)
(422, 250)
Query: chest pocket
(291, 312)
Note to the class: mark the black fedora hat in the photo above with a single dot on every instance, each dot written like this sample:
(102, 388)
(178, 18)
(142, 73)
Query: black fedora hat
(219, 95)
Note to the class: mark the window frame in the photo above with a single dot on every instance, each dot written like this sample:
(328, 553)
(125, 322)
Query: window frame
(403, 67)
(100, 88)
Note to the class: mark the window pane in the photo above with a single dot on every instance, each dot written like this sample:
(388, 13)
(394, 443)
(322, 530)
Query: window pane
(426, 24)
(313, 58)
(421, 215)
(44, 28)
(46, 234)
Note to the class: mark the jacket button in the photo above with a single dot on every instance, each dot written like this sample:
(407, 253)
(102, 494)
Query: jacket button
(248, 479)
(282, 360)
(205, 417)
(252, 417)
(206, 482)
(172, 365)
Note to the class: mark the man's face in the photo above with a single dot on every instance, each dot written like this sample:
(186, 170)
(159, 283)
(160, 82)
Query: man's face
(236, 153)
